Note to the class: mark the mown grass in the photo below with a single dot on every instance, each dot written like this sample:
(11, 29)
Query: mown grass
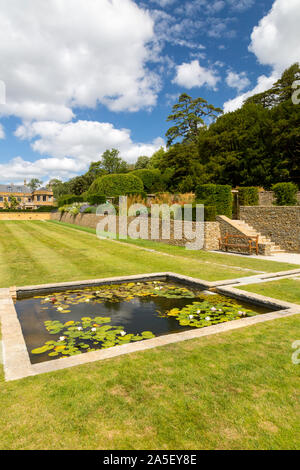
(204, 256)
(284, 289)
(41, 252)
(237, 390)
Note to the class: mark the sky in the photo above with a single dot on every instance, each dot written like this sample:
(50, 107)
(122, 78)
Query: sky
(78, 77)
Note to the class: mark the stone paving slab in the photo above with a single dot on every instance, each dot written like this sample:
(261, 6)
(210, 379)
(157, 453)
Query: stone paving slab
(16, 359)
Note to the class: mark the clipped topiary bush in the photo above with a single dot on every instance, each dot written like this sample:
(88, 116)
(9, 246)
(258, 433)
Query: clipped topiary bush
(152, 179)
(206, 193)
(215, 195)
(285, 194)
(116, 185)
(249, 196)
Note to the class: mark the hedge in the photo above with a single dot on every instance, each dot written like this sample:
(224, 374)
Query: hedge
(95, 199)
(40, 209)
(116, 185)
(249, 196)
(152, 179)
(215, 195)
(69, 199)
(285, 194)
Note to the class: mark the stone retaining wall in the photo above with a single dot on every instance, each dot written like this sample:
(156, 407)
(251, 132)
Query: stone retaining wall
(267, 198)
(24, 216)
(211, 229)
(279, 223)
(227, 226)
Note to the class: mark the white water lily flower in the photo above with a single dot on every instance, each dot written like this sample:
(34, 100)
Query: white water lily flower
(87, 300)
(198, 311)
(207, 318)
(94, 329)
(79, 328)
(220, 310)
(62, 338)
(191, 316)
(60, 309)
(123, 333)
(213, 309)
(47, 299)
(156, 288)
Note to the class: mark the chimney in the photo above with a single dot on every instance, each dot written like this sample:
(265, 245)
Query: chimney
(25, 182)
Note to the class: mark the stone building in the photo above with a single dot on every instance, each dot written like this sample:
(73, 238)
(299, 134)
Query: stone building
(25, 197)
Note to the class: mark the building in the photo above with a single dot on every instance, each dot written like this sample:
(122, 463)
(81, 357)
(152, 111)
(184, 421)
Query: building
(26, 198)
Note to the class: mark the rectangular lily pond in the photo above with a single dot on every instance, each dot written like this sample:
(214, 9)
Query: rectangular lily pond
(76, 321)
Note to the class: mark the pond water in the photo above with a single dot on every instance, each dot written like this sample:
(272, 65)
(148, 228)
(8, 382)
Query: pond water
(77, 321)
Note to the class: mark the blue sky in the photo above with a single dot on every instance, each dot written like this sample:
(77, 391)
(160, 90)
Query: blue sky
(88, 75)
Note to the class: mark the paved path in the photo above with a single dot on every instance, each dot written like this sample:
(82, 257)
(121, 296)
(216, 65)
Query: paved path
(293, 258)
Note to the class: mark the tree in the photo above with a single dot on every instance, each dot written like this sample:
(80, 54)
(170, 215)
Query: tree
(34, 183)
(111, 162)
(79, 184)
(157, 158)
(142, 163)
(189, 115)
(58, 187)
(281, 91)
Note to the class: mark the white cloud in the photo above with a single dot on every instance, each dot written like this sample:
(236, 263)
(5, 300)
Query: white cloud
(190, 75)
(57, 55)
(241, 5)
(263, 84)
(275, 41)
(2, 132)
(72, 146)
(240, 81)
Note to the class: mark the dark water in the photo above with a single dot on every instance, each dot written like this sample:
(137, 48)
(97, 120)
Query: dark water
(135, 316)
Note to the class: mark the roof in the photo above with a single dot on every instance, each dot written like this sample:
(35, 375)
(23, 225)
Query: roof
(14, 188)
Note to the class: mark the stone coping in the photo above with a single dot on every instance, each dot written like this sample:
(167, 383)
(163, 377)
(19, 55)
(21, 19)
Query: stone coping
(16, 359)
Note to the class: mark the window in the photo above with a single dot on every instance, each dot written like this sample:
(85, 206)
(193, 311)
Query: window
(38, 198)
(44, 198)
(1, 199)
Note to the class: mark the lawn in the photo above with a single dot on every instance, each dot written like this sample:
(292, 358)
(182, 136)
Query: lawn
(285, 289)
(235, 390)
(44, 252)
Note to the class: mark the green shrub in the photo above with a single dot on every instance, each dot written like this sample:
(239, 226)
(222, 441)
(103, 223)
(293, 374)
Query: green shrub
(40, 209)
(96, 199)
(210, 213)
(249, 196)
(224, 200)
(116, 184)
(206, 193)
(69, 199)
(90, 210)
(215, 195)
(152, 179)
(285, 194)
(46, 209)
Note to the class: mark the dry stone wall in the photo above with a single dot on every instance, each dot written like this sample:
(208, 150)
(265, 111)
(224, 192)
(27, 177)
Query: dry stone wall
(279, 223)
(211, 229)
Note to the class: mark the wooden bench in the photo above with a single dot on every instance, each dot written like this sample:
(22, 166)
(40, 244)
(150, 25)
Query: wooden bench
(250, 244)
